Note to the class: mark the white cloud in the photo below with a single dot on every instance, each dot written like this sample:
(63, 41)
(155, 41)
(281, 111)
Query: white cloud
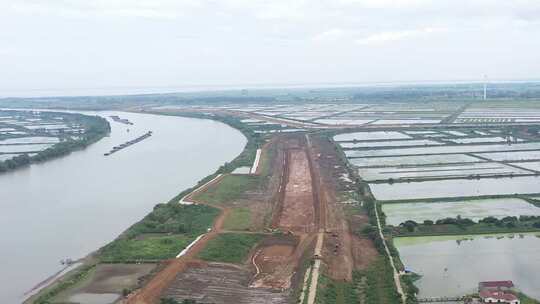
(391, 36)
(237, 41)
(330, 35)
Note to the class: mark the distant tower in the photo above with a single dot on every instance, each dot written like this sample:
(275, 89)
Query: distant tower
(485, 87)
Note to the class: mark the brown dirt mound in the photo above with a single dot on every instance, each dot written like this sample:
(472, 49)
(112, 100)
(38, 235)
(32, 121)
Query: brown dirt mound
(221, 284)
(275, 262)
(298, 209)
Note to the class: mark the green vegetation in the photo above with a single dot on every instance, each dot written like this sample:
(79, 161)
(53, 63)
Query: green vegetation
(80, 274)
(407, 282)
(526, 300)
(374, 285)
(457, 226)
(146, 248)
(334, 292)
(95, 128)
(191, 220)
(379, 283)
(238, 219)
(230, 188)
(229, 247)
(162, 234)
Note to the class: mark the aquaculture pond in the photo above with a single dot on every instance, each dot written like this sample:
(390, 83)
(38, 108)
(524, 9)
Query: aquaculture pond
(440, 171)
(377, 135)
(473, 209)
(445, 149)
(457, 188)
(453, 265)
(413, 160)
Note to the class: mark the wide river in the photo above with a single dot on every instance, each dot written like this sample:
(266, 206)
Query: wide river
(69, 207)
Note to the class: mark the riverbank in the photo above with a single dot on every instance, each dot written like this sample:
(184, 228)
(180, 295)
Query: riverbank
(86, 131)
(144, 229)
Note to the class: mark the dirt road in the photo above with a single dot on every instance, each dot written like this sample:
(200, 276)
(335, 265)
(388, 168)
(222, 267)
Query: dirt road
(152, 291)
(397, 280)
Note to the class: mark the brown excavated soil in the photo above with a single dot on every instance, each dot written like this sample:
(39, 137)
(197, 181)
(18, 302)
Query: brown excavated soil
(275, 261)
(151, 292)
(302, 199)
(221, 284)
(343, 251)
(170, 276)
(298, 209)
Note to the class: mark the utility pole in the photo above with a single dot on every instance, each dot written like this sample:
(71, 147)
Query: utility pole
(485, 87)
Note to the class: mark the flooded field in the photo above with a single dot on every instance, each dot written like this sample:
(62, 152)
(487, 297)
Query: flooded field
(473, 140)
(453, 265)
(529, 165)
(242, 170)
(439, 171)
(412, 160)
(23, 148)
(514, 156)
(395, 143)
(456, 188)
(446, 149)
(472, 209)
(30, 140)
(379, 135)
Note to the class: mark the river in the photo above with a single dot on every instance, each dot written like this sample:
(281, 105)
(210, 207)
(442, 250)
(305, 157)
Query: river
(70, 206)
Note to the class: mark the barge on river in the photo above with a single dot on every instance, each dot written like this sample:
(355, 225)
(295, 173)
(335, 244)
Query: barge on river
(129, 143)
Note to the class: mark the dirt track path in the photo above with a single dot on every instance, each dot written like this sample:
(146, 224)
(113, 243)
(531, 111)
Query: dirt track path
(397, 280)
(321, 207)
(151, 292)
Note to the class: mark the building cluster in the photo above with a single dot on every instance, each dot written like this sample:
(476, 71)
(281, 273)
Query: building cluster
(497, 292)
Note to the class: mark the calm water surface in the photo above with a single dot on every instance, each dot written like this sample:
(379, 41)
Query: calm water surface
(451, 267)
(472, 209)
(70, 206)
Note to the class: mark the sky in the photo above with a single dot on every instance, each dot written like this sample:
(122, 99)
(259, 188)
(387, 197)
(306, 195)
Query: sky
(78, 46)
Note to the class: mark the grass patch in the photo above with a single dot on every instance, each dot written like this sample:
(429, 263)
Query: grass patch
(526, 300)
(334, 292)
(379, 281)
(238, 219)
(230, 188)
(229, 247)
(175, 218)
(79, 275)
(148, 248)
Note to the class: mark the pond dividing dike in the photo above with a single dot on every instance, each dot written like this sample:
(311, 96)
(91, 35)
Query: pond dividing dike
(129, 143)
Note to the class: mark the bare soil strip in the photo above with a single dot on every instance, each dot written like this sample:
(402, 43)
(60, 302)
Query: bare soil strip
(152, 291)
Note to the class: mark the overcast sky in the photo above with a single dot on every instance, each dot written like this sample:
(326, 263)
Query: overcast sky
(77, 45)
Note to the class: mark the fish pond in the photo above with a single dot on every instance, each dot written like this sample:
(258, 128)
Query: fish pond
(453, 265)
(457, 188)
(472, 209)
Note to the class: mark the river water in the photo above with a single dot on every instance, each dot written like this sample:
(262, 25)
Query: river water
(69, 207)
